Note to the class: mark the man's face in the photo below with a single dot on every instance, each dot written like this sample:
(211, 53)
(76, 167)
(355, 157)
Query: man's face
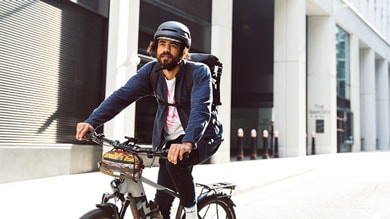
(168, 53)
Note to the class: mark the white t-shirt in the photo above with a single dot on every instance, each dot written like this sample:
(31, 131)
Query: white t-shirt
(172, 127)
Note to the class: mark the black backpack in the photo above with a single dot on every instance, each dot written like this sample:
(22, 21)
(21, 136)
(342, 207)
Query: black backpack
(216, 71)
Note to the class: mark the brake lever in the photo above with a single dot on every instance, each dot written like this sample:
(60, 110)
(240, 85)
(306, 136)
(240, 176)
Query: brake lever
(132, 140)
(87, 136)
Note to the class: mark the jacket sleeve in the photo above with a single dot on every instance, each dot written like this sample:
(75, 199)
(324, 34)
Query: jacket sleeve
(135, 88)
(201, 100)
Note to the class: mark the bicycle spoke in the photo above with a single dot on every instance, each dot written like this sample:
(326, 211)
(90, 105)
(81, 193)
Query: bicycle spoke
(205, 211)
(213, 211)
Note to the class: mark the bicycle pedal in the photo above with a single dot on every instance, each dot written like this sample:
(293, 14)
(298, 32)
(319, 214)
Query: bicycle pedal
(155, 212)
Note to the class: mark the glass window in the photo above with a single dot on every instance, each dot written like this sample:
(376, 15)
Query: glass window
(342, 60)
(344, 128)
(344, 114)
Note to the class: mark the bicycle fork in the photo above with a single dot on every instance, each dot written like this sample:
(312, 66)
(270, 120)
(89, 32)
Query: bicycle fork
(131, 194)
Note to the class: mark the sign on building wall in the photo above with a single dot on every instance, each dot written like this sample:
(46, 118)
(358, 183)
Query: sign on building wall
(318, 112)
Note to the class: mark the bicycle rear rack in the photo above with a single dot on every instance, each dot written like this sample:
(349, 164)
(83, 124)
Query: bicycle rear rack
(216, 187)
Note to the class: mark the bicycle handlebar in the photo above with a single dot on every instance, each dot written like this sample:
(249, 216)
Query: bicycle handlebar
(129, 145)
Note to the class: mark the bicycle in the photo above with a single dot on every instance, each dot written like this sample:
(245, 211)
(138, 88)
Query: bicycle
(213, 201)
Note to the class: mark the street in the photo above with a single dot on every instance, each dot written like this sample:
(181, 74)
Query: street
(333, 186)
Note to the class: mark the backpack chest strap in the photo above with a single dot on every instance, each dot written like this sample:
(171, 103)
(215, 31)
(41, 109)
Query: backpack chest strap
(172, 104)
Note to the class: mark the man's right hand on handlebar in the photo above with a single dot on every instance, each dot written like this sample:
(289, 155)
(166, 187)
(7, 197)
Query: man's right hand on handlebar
(82, 129)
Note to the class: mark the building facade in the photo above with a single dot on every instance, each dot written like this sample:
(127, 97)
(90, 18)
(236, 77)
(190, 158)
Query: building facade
(300, 68)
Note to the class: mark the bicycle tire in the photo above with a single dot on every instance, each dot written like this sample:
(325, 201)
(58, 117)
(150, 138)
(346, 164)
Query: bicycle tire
(215, 207)
(99, 213)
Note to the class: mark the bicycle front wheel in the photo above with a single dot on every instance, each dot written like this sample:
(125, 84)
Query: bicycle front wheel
(99, 213)
(215, 207)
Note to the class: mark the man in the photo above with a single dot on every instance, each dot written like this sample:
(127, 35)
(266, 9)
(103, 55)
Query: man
(184, 122)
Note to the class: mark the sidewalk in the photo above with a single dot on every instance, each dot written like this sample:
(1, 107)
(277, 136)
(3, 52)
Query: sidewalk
(337, 186)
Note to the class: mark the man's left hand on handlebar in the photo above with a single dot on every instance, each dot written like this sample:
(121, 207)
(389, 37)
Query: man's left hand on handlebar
(82, 129)
(178, 151)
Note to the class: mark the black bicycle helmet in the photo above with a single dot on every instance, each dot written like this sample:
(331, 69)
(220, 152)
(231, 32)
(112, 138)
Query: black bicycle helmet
(175, 31)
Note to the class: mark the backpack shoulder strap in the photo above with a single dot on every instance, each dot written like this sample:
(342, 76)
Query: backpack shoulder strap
(154, 73)
(188, 77)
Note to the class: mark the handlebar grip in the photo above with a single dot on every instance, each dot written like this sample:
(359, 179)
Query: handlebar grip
(94, 137)
(87, 136)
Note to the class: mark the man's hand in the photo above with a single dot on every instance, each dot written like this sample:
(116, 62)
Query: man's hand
(178, 151)
(82, 129)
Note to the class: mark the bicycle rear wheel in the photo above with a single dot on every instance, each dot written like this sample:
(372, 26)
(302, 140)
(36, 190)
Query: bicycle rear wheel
(215, 207)
(99, 213)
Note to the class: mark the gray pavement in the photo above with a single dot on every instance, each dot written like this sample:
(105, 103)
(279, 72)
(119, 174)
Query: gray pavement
(334, 186)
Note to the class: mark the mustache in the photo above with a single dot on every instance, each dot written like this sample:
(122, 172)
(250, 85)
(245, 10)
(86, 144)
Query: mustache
(166, 54)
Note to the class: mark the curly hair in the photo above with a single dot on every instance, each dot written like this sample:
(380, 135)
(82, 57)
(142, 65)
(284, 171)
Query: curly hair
(152, 50)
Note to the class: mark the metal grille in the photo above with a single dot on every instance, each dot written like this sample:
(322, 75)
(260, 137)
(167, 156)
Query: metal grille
(51, 53)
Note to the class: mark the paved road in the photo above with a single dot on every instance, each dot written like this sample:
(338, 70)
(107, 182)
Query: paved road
(338, 186)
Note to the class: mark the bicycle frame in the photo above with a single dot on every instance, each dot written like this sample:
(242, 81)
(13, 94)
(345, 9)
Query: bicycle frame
(131, 193)
(137, 200)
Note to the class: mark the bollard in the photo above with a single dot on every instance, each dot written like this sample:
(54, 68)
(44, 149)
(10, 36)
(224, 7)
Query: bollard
(265, 144)
(313, 143)
(307, 144)
(271, 143)
(276, 152)
(253, 155)
(240, 144)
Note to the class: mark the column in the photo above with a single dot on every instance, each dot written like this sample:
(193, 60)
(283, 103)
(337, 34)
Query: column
(355, 91)
(122, 59)
(290, 76)
(321, 86)
(221, 46)
(367, 99)
(382, 104)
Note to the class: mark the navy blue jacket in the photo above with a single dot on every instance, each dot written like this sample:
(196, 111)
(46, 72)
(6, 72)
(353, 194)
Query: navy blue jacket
(196, 116)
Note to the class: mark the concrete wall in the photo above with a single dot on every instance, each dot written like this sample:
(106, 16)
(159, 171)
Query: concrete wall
(44, 160)
(321, 82)
(369, 70)
(290, 76)
(122, 61)
(221, 46)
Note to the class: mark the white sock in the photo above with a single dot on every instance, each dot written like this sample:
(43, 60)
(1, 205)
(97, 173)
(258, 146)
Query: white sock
(191, 212)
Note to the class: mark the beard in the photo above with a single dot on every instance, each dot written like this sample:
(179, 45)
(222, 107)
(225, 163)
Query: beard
(168, 64)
